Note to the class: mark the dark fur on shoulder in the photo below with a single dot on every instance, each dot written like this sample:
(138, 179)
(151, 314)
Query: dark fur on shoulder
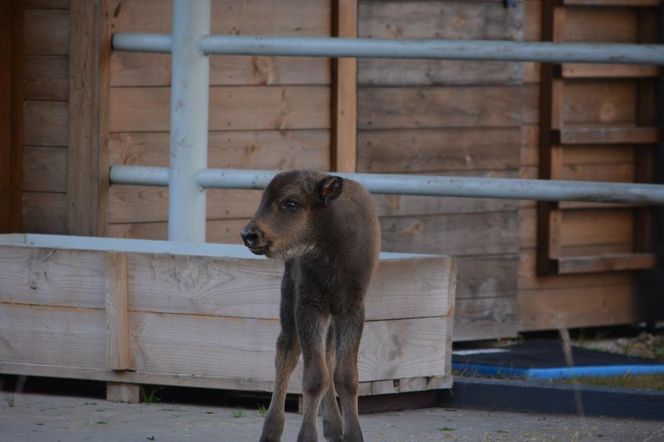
(326, 230)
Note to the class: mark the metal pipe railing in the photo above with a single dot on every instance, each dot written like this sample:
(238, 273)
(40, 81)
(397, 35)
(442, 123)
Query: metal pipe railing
(415, 49)
(507, 188)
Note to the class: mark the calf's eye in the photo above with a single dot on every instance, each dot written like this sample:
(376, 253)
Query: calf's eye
(291, 205)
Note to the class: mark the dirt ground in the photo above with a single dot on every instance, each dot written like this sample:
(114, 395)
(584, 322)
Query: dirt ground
(38, 417)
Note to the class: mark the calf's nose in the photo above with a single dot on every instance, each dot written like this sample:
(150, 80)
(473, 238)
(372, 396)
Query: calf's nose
(250, 235)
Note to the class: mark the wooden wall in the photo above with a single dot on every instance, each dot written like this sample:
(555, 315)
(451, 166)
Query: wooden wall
(594, 97)
(265, 112)
(447, 117)
(456, 118)
(45, 116)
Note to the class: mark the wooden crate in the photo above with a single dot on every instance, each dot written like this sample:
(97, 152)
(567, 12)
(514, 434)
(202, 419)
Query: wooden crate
(154, 312)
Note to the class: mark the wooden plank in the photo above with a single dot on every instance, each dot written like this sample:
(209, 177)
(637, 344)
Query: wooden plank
(579, 70)
(46, 77)
(438, 150)
(485, 318)
(44, 169)
(443, 20)
(47, 4)
(83, 115)
(486, 276)
(385, 72)
(607, 134)
(134, 69)
(117, 313)
(47, 32)
(52, 336)
(582, 307)
(366, 388)
(344, 90)
(64, 278)
(610, 102)
(105, 33)
(44, 212)
(454, 234)
(631, 3)
(438, 107)
(205, 286)
(164, 344)
(242, 150)
(46, 123)
(231, 108)
(530, 281)
(619, 173)
(230, 17)
(607, 263)
(618, 25)
(220, 231)
(582, 227)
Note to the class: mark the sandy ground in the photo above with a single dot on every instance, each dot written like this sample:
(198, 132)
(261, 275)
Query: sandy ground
(37, 417)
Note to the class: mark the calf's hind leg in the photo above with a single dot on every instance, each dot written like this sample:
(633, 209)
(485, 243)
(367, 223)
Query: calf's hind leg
(348, 331)
(332, 429)
(312, 328)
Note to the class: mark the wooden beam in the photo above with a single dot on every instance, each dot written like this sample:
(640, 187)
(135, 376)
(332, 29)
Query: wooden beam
(117, 315)
(344, 115)
(83, 117)
(104, 112)
(11, 114)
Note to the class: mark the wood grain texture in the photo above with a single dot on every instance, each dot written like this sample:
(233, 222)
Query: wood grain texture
(64, 278)
(607, 134)
(438, 150)
(231, 108)
(455, 234)
(389, 349)
(44, 212)
(599, 102)
(53, 336)
(230, 149)
(487, 276)
(82, 161)
(46, 123)
(117, 311)
(578, 70)
(486, 318)
(344, 90)
(441, 107)
(230, 17)
(133, 69)
(618, 25)
(44, 169)
(443, 20)
(46, 77)
(47, 32)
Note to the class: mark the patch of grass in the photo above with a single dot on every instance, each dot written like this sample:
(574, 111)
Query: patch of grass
(150, 438)
(238, 413)
(646, 381)
(262, 411)
(10, 400)
(101, 421)
(149, 394)
(447, 429)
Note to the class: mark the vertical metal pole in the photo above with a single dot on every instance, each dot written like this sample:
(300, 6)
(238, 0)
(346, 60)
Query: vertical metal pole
(189, 121)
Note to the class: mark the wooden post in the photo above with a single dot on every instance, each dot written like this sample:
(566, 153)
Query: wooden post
(344, 92)
(117, 328)
(11, 114)
(104, 89)
(83, 117)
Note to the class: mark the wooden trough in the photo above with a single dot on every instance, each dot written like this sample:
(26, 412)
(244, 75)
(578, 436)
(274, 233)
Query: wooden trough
(133, 312)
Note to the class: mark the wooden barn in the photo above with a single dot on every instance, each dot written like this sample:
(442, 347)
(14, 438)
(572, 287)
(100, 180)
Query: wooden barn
(72, 107)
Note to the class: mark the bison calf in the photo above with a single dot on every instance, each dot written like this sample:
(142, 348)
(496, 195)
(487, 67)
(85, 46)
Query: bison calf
(326, 230)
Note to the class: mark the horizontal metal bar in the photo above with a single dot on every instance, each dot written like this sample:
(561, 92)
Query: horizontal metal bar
(541, 190)
(142, 42)
(139, 175)
(419, 49)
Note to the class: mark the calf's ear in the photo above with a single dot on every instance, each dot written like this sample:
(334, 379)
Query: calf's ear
(329, 188)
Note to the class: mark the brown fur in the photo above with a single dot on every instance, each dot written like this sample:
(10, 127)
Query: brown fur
(326, 230)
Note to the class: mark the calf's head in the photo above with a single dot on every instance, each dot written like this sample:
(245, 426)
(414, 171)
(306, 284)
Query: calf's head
(285, 223)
